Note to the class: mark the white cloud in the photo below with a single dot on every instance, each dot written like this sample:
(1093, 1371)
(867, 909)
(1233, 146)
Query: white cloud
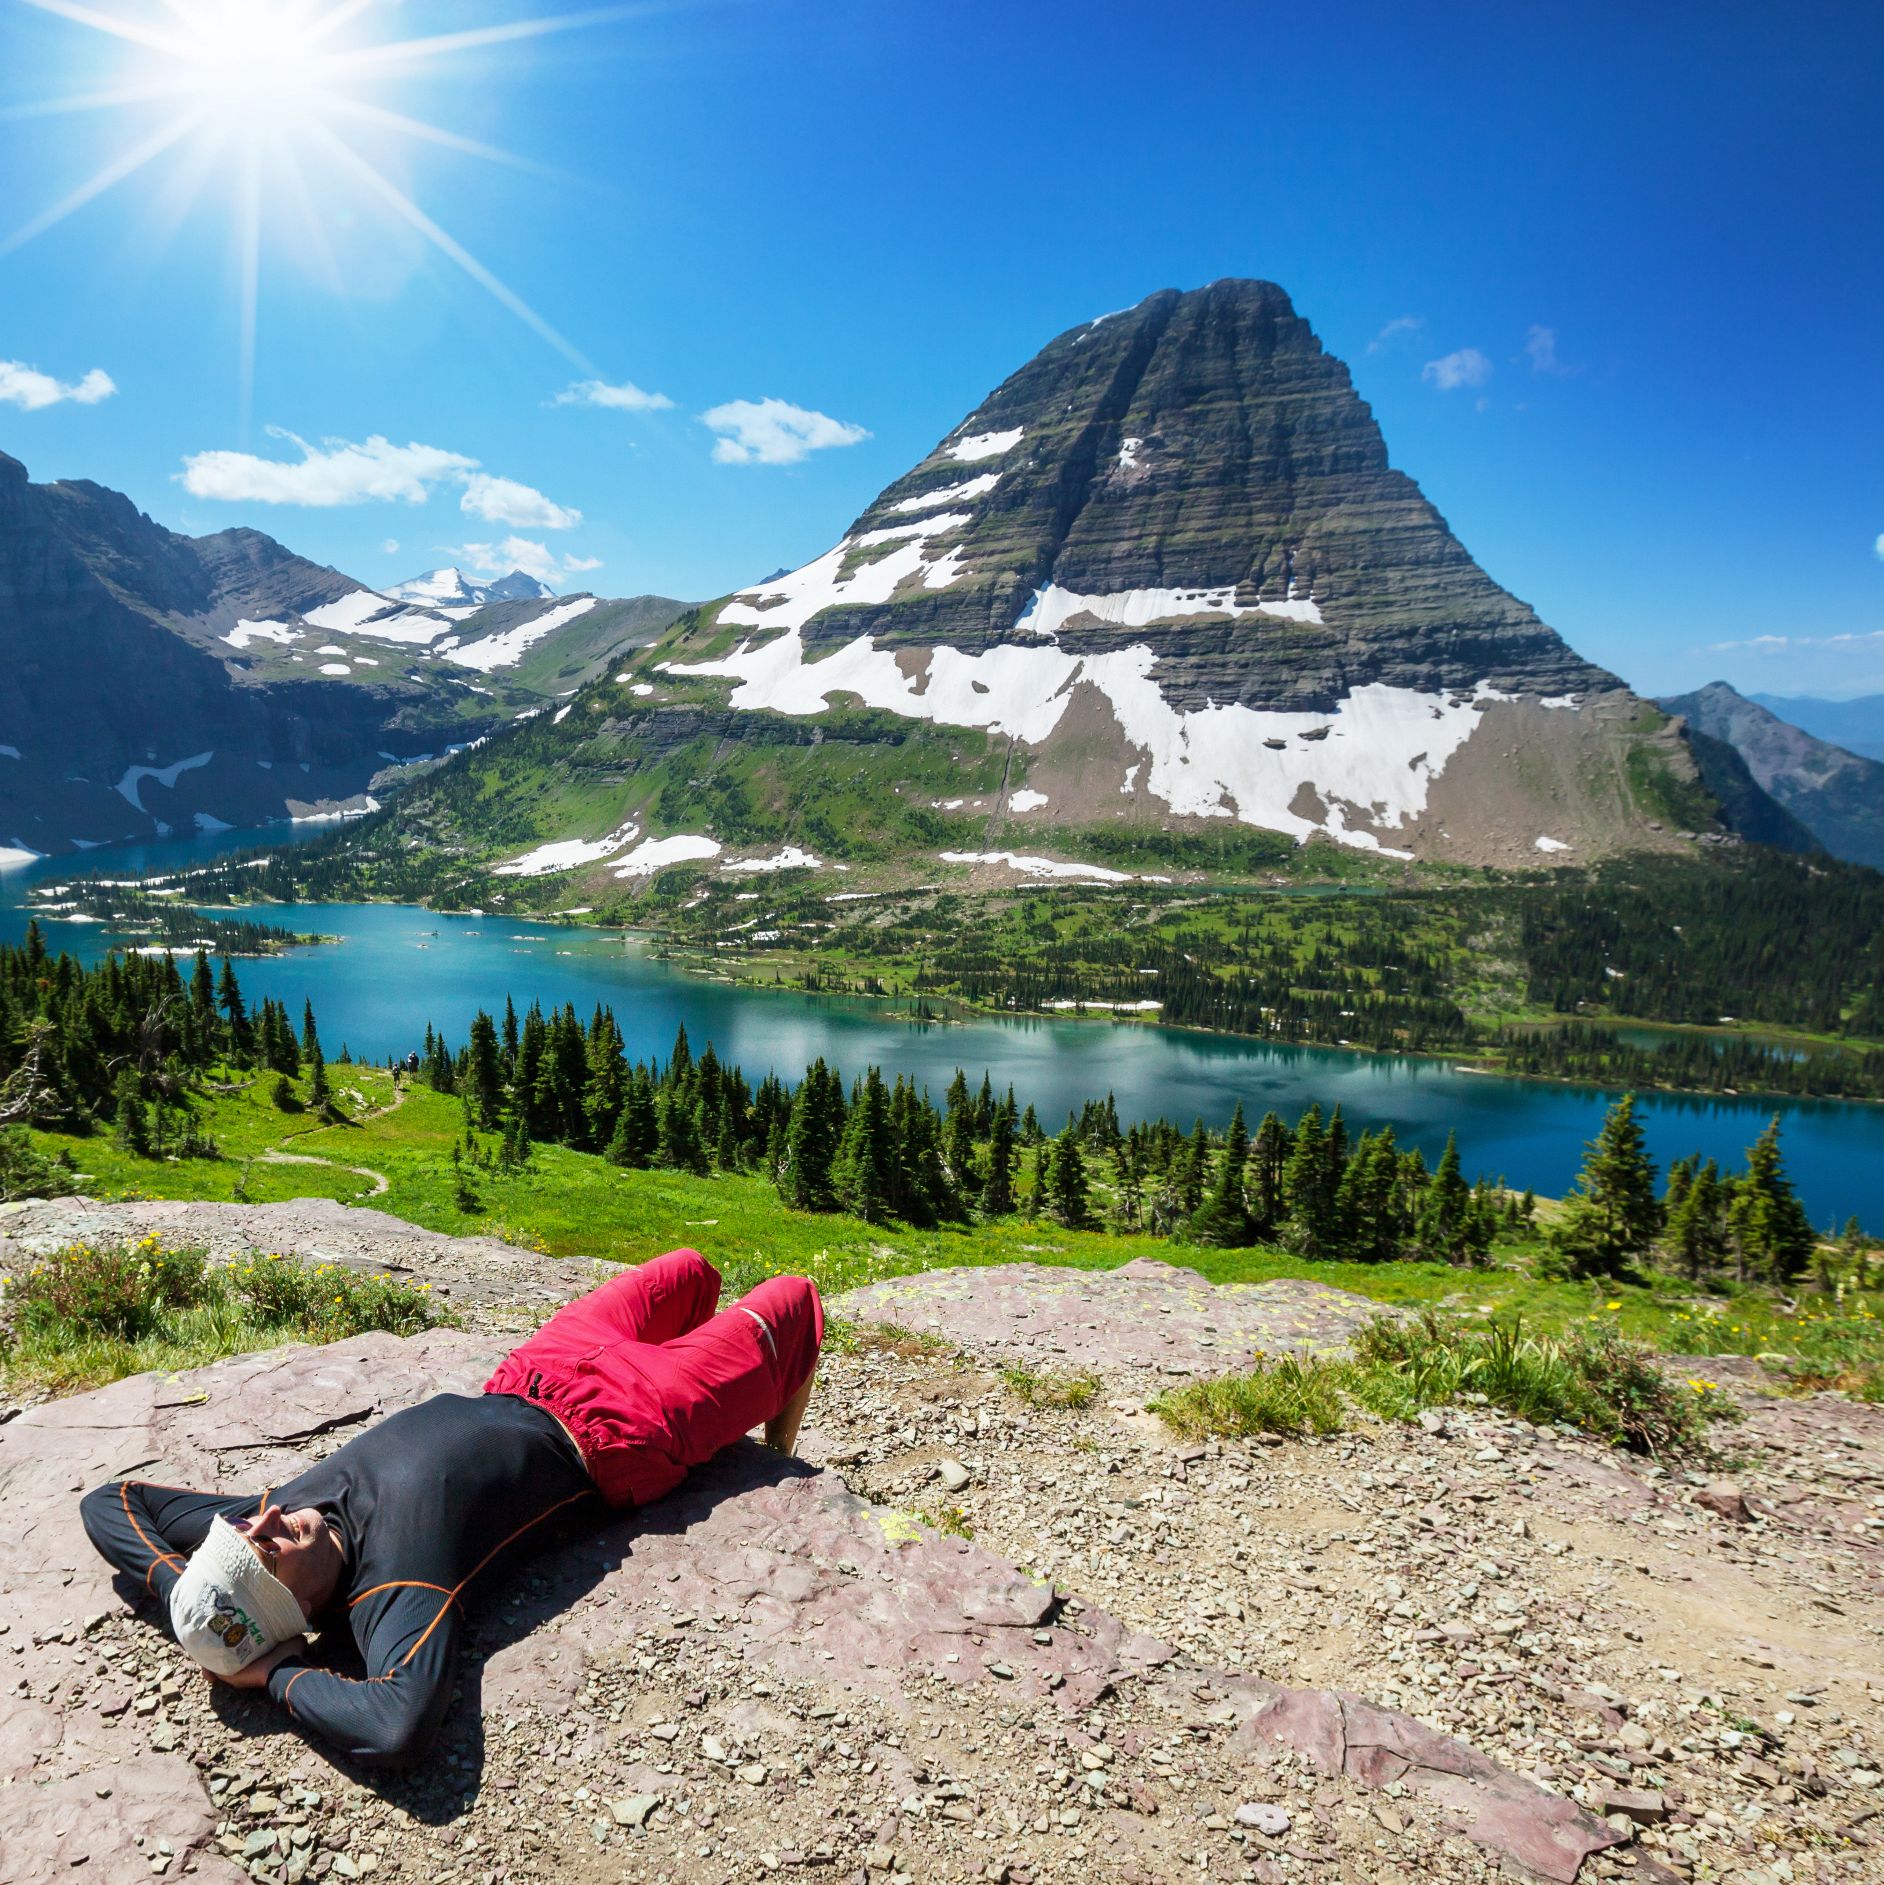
(1466, 367)
(1867, 643)
(31, 390)
(499, 559)
(1878, 546)
(1541, 344)
(773, 432)
(390, 547)
(627, 397)
(576, 565)
(505, 501)
(336, 472)
(1400, 324)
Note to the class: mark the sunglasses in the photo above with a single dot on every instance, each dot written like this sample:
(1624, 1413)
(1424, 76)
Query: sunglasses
(269, 1554)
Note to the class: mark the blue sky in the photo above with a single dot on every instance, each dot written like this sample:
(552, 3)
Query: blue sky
(873, 213)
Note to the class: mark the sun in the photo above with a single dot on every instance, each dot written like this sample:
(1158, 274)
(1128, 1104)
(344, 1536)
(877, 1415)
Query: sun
(280, 103)
(247, 66)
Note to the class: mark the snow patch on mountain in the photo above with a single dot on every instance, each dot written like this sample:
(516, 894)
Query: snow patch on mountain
(1053, 607)
(567, 853)
(986, 445)
(348, 612)
(1369, 763)
(963, 493)
(508, 648)
(791, 858)
(1038, 866)
(653, 854)
(245, 632)
(790, 601)
(132, 783)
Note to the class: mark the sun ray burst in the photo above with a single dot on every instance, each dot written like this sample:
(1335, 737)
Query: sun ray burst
(270, 101)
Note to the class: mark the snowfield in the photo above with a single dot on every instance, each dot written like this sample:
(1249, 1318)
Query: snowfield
(1371, 763)
(567, 853)
(350, 611)
(791, 858)
(1053, 607)
(132, 783)
(967, 490)
(1026, 800)
(654, 854)
(1038, 866)
(505, 650)
(789, 602)
(985, 445)
(245, 632)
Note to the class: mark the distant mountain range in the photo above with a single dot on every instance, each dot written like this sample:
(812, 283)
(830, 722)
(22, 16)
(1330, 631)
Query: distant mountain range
(1856, 725)
(151, 682)
(1835, 794)
(450, 588)
(1160, 595)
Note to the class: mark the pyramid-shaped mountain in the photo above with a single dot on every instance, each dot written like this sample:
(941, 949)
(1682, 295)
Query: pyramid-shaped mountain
(1161, 584)
(1169, 560)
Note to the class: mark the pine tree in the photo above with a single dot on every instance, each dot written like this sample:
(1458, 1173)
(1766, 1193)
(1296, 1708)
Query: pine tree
(131, 1121)
(484, 1074)
(203, 1006)
(1223, 1219)
(1612, 1216)
(1696, 1234)
(958, 1136)
(1189, 1171)
(997, 1191)
(1449, 1226)
(1773, 1238)
(811, 1139)
(1065, 1181)
(1309, 1190)
(861, 1174)
(1369, 1203)
(320, 1095)
(241, 1045)
(1262, 1183)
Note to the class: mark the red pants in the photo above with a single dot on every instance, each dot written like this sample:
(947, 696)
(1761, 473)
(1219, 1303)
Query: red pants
(651, 1382)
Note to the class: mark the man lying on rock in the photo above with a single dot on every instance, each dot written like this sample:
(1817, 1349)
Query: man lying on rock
(613, 1399)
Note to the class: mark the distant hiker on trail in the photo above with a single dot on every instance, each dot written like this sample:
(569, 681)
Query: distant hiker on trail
(612, 1400)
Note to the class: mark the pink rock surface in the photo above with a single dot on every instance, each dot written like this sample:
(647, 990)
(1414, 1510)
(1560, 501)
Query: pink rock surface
(793, 1572)
(1146, 1317)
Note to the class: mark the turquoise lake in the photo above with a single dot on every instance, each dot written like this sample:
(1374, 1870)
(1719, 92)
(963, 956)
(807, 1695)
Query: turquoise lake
(396, 968)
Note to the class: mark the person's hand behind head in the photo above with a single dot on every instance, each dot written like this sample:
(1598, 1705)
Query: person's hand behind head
(255, 1675)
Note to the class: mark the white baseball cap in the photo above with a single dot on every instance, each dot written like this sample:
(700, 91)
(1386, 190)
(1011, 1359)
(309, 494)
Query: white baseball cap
(227, 1607)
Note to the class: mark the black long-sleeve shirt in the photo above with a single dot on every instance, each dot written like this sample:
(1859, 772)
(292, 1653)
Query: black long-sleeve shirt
(421, 1502)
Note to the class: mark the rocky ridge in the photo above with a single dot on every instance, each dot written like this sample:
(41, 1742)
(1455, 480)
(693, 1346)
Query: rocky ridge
(151, 682)
(1838, 796)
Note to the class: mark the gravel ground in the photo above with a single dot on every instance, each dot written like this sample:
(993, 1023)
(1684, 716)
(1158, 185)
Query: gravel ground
(1692, 1658)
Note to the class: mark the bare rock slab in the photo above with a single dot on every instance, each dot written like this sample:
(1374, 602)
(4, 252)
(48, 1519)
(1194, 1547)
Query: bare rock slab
(468, 1272)
(1146, 1317)
(797, 1577)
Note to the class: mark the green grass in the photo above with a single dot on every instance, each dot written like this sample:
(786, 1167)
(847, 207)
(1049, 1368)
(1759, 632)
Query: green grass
(85, 1316)
(1289, 1397)
(1591, 1379)
(566, 1203)
(1050, 1389)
